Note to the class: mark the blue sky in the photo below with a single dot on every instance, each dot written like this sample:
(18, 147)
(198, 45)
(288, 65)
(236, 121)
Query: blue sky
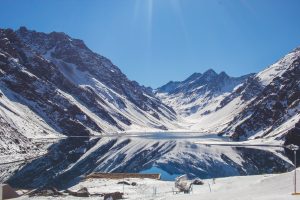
(154, 41)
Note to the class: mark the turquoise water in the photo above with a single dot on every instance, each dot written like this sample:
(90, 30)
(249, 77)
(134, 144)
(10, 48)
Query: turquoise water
(165, 176)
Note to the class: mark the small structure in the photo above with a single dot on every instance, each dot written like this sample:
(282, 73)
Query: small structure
(122, 175)
(183, 184)
(7, 192)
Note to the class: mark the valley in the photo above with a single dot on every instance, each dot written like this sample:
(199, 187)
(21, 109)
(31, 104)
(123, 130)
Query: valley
(74, 112)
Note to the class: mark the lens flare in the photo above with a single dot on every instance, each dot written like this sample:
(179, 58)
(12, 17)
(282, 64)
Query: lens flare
(176, 5)
(144, 10)
(149, 22)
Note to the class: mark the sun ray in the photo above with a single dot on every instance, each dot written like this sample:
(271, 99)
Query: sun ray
(149, 22)
(176, 5)
(137, 5)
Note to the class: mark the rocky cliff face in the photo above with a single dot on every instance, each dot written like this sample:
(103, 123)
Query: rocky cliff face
(273, 107)
(264, 105)
(199, 93)
(70, 89)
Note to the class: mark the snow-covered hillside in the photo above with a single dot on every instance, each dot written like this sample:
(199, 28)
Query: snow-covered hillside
(258, 106)
(58, 85)
(199, 94)
(274, 109)
(260, 187)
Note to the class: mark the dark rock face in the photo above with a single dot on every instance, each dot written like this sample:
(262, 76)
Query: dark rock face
(14, 142)
(38, 83)
(63, 48)
(208, 82)
(272, 106)
(113, 196)
(53, 84)
(248, 90)
(266, 105)
(199, 91)
(63, 81)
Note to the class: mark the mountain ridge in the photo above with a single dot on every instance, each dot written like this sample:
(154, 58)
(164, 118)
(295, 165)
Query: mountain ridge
(208, 74)
(262, 105)
(48, 69)
(52, 85)
(195, 92)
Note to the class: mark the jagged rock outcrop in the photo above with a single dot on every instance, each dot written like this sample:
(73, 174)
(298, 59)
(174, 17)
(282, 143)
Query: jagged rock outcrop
(71, 89)
(199, 92)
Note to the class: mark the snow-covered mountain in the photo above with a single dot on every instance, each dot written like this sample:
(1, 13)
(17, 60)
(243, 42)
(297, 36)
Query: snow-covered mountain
(264, 105)
(271, 102)
(199, 93)
(53, 84)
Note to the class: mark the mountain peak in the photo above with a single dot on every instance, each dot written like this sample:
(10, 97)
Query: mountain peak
(208, 81)
(223, 73)
(48, 40)
(209, 72)
(22, 29)
(192, 77)
(59, 35)
(296, 49)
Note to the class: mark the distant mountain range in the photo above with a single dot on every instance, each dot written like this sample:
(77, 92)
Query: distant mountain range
(198, 92)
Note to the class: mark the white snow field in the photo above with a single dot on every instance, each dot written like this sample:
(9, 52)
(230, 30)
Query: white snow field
(259, 187)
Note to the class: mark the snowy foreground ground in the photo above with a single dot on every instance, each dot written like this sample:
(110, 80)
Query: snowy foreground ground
(264, 187)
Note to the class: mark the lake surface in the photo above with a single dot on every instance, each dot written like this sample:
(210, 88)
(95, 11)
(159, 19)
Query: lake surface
(165, 176)
(170, 154)
(195, 136)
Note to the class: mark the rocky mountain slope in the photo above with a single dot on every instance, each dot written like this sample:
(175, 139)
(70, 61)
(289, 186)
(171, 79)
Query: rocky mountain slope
(199, 93)
(264, 105)
(272, 101)
(53, 84)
